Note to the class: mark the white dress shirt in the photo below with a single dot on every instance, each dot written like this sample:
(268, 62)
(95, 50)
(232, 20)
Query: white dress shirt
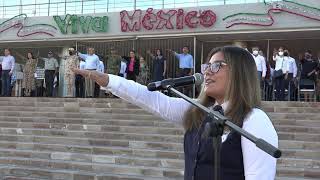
(7, 62)
(261, 64)
(82, 65)
(92, 61)
(280, 63)
(258, 165)
(100, 67)
(291, 66)
(123, 69)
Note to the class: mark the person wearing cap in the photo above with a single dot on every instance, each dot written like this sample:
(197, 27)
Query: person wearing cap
(113, 62)
(51, 67)
(71, 61)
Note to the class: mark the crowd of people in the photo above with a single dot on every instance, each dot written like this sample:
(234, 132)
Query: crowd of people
(59, 77)
(280, 77)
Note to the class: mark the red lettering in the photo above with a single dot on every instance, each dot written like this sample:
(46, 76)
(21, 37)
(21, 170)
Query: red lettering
(171, 19)
(165, 19)
(130, 23)
(190, 19)
(179, 20)
(208, 18)
(148, 19)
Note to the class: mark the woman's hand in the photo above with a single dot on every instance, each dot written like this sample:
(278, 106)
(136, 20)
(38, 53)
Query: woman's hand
(101, 78)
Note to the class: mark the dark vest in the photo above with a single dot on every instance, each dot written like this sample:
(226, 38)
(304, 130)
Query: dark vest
(199, 156)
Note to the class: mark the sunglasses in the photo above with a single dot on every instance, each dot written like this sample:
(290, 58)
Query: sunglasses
(214, 67)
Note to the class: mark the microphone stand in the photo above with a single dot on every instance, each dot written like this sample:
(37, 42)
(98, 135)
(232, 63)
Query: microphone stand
(216, 127)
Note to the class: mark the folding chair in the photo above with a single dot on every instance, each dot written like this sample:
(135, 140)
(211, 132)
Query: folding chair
(311, 88)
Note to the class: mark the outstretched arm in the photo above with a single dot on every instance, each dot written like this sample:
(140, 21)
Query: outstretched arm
(169, 108)
(21, 56)
(101, 78)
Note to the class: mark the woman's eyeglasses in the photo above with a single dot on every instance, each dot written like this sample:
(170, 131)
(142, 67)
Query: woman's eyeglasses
(214, 67)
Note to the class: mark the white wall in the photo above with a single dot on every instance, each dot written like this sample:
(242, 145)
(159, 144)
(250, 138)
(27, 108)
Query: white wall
(283, 22)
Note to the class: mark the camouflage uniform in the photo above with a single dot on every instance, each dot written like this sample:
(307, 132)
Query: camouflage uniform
(112, 64)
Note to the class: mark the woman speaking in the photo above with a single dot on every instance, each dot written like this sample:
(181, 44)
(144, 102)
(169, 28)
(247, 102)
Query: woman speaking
(231, 81)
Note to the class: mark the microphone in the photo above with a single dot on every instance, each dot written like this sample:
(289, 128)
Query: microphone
(196, 79)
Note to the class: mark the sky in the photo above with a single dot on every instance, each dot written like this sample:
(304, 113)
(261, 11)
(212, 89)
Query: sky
(58, 7)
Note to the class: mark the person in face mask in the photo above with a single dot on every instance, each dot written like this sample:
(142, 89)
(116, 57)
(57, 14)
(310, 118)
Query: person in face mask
(260, 63)
(309, 68)
(72, 61)
(279, 73)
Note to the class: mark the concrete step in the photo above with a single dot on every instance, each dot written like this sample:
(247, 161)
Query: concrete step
(113, 135)
(297, 129)
(299, 136)
(130, 115)
(295, 144)
(73, 109)
(59, 174)
(84, 115)
(95, 128)
(294, 178)
(84, 130)
(299, 163)
(156, 136)
(137, 170)
(95, 150)
(301, 153)
(69, 138)
(94, 142)
(289, 104)
(87, 106)
(117, 124)
(130, 160)
(276, 109)
(295, 116)
(294, 122)
(290, 172)
(60, 102)
(27, 173)
(95, 167)
(68, 157)
(85, 123)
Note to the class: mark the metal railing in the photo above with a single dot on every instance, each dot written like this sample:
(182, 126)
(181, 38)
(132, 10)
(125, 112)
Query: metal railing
(61, 7)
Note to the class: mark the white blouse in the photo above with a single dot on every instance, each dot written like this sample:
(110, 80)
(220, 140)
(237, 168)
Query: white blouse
(258, 165)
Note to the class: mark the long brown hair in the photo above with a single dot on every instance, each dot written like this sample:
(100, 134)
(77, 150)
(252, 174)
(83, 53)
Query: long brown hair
(242, 93)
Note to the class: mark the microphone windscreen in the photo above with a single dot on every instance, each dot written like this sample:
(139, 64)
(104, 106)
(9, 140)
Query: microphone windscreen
(198, 79)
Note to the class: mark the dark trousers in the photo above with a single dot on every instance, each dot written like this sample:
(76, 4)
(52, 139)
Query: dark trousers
(279, 85)
(49, 78)
(6, 83)
(79, 83)
(187, 90)
(267, 88)
(261, 84)
(96, 92)
(131, 76)
(289, 85)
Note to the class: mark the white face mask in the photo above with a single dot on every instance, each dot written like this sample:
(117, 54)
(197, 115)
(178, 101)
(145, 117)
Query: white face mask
(280, 53)
(255, 52)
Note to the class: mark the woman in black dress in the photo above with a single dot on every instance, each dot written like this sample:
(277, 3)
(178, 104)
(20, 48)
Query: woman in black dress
(159, 65)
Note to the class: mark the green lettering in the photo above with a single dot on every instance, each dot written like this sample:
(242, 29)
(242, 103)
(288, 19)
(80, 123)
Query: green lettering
(99, 24)
(62, 23)
(74, 24)
(85, 23)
